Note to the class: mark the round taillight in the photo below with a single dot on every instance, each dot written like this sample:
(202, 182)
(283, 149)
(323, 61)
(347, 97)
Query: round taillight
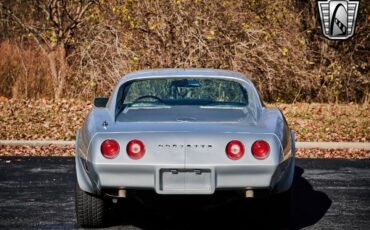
(135, 149)
(234, 150)
(109, 149)
(260, 149)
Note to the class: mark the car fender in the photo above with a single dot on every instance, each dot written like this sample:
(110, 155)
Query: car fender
(282, 179)
(83, 179)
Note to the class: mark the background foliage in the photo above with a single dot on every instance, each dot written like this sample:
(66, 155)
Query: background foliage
(80, 48)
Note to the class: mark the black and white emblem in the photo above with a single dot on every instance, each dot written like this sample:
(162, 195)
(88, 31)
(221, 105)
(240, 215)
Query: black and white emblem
(338, 18)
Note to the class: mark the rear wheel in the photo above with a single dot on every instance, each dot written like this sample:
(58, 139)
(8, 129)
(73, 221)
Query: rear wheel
(90, 209)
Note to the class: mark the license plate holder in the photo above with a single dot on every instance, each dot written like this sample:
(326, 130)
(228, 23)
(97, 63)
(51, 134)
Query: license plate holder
(186, 181)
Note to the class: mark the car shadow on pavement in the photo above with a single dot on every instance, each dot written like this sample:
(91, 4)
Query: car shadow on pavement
(309, 205)
(224, 210)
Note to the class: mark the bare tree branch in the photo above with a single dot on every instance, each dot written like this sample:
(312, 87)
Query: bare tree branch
(29, 29)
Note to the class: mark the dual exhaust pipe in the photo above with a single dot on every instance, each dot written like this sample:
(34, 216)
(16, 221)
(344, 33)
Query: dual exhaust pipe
(122, 193)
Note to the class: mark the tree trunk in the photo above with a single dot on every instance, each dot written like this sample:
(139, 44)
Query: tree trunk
(58, 68)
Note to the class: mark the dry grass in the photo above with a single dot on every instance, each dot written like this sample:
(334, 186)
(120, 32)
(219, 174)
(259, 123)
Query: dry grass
(24, 72)
(288, 62)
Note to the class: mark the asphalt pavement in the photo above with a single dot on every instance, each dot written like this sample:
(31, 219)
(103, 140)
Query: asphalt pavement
(38, 193)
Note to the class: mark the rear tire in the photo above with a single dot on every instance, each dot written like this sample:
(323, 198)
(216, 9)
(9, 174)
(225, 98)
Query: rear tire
(90, 209)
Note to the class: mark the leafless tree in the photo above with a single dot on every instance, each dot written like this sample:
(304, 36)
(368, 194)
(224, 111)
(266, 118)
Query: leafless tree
(55, 30)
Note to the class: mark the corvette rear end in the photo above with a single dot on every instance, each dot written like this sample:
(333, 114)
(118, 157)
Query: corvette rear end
(182, 132)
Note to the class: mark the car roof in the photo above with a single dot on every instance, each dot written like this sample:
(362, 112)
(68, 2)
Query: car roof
(177, 72)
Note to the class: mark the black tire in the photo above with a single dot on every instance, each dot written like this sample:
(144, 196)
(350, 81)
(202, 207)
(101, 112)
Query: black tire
(282, 208)
(90, 209)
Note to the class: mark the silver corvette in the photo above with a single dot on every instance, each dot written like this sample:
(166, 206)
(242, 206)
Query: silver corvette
(181, 131)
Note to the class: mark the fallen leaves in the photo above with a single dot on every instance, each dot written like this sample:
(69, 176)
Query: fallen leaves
(41, 119)
(333, 153)
(48, 120)
(26, 151)
(328, 122)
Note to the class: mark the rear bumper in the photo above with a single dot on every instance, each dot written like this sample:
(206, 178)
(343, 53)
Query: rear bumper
(196, 179)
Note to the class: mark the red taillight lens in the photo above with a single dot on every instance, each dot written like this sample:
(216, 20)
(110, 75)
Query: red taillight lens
(260, 149)
(135, 149)
(109, 149)
(235, 150)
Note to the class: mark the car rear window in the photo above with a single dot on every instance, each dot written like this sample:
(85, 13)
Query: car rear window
(182, 91)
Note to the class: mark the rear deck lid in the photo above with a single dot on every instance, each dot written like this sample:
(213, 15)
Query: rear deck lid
(186, 114)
